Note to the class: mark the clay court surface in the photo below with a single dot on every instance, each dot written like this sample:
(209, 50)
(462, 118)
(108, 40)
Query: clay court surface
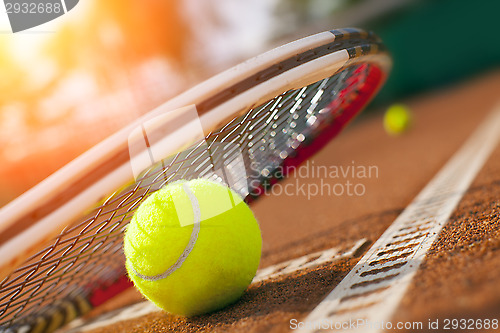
(459, 278)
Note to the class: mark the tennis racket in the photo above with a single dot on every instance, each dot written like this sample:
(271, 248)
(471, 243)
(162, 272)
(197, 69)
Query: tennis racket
(248, 127)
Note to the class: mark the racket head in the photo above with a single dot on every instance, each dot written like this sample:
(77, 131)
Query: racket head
(62, 241)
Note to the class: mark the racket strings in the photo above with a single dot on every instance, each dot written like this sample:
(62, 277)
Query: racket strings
(246, 153)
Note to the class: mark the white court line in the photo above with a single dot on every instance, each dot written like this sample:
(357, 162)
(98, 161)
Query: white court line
(307, 261)
(281, 269)
(373, 289)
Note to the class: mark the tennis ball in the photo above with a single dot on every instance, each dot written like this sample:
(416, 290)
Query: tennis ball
(397, 119)
(192, 247)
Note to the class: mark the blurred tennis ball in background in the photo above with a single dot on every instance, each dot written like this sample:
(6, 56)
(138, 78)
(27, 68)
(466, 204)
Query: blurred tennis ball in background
(397, 119)
(192, 247)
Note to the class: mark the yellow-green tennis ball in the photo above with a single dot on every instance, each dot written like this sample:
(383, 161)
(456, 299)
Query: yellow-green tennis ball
(397, 119)
(192, 247)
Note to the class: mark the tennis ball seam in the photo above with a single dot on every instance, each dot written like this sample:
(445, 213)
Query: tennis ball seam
(189, 247)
